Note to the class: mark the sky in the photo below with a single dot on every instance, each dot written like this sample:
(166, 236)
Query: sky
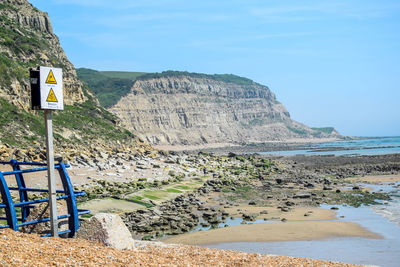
(330, 62)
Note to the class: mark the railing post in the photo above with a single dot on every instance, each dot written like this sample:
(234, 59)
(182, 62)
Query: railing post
(23, 195)
(73, 220)
(12, 220)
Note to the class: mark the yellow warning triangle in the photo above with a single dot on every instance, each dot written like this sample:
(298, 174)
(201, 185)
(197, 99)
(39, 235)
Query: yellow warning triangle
(51, 97)
(50, 78)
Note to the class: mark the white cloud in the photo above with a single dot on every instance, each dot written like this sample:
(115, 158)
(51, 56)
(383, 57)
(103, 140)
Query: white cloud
(282, 35)
(121, 4)
(313, 10)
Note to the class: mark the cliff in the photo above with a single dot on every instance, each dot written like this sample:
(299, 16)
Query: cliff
(27, 41)
(190, 108)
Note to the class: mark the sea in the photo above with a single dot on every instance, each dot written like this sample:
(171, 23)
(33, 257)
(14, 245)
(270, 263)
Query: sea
(383, 218)
(359, 146)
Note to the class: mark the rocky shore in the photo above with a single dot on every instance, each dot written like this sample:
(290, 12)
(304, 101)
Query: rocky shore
(284, 184)
(161, 194)
(173, 193)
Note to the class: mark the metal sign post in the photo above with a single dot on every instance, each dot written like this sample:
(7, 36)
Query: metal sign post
(48, 120)
(47, 95)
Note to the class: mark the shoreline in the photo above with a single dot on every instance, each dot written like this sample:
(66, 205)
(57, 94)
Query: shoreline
(183, 191)
(22, 249)
(289, 144)
(354, 250)
(319, 224)
(273, 232)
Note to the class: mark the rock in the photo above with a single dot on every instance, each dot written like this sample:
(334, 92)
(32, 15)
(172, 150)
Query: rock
(289, 203)
(310, 185)
(108, 229)
(285, 209)
(249, 217)
(302, 195)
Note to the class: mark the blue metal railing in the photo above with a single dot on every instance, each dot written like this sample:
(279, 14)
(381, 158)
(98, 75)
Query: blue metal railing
(25, 204)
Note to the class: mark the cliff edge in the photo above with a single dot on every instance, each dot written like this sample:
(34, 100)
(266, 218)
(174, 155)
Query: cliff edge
(27, 40)
(173, 108)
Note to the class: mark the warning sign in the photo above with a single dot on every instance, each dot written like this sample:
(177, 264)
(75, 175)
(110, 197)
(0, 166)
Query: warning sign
(51, 97)
(50, 78)
(51, 88)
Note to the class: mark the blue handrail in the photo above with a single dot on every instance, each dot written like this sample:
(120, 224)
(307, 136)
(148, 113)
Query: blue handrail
(25, 204)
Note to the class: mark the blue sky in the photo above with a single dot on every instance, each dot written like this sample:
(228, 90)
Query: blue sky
(331, 63)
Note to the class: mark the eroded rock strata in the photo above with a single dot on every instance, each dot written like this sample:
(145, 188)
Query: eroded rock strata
(189, 109)
(27, 41)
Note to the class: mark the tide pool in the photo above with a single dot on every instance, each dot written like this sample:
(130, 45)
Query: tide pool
(355, 250)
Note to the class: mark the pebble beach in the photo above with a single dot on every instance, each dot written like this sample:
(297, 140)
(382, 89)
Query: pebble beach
(19, 249)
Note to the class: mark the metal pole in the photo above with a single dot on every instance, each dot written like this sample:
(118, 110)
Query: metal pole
(50, 172)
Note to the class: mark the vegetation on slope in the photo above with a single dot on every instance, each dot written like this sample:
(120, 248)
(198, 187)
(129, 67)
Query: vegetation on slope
(123, 74)
(108, 86)
(227, 78)
(111, 86)
(326, 130)
(20, 42)
(87, 122)
(23, 47)
(18, 126)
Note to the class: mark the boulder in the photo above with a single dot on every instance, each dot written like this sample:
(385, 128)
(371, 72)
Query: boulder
(108, 229)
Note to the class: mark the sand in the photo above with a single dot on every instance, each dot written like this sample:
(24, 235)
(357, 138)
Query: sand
(295, 214)
(267, 232)
(319, 224)
(374, 179)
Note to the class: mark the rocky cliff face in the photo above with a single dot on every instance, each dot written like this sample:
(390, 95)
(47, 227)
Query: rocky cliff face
(200, 109)
(27, 41)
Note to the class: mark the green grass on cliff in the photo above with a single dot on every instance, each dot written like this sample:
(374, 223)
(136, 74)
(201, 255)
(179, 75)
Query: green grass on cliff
(87, 121)
(123, 74)
(111, 86)
(24, 47)
(90, 122)
(227, 78)
(326, 130)
(108, 86)
(19, 127)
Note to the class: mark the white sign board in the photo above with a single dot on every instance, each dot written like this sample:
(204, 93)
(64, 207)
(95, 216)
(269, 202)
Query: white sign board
(51, 88)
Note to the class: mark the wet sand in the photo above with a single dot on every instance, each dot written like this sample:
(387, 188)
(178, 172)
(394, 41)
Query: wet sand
(375, 179)
(267, 232)
(318, 224)
(295, 214)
